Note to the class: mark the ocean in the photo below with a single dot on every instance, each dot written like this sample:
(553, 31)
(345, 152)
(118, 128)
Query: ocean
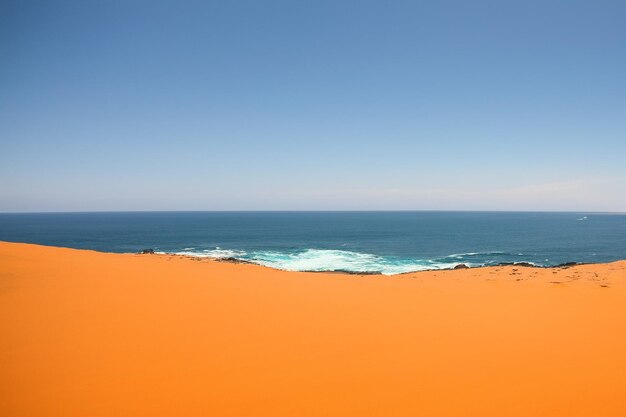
(373, 242)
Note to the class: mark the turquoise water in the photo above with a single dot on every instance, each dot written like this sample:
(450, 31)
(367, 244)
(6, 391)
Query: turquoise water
(382, 242)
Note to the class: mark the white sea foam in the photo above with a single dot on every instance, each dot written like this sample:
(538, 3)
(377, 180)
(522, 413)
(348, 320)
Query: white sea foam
(332, 260)
(341, 260)
(216, 253)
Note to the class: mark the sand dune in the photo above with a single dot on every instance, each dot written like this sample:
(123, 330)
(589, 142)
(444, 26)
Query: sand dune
(94, 334)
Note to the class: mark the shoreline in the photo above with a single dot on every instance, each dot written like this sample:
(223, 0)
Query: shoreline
(94, 333)
(506, 267)
(235, 260)
(522, 264)
(460, 266)
(343, 271)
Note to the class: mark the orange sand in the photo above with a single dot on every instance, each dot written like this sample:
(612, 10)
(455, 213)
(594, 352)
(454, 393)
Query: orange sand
(93, 334)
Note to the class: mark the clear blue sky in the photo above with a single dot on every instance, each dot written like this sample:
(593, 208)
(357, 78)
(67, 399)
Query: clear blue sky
(190, 105)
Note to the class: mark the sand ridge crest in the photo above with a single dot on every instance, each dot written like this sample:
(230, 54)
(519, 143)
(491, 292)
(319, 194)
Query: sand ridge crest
(99, 334)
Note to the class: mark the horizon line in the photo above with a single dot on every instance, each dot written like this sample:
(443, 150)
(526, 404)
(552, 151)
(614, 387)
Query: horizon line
(313, 211)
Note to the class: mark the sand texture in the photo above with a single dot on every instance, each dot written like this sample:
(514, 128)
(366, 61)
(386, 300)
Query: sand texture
(85, 333)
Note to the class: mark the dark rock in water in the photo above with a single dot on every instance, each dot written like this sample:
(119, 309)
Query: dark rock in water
(147, 252)
(343, 271)
(461, 266)
(527, 264)
(568, 264)
(232, 260)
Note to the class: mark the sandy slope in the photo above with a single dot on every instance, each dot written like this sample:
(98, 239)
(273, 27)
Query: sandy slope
(93, 334)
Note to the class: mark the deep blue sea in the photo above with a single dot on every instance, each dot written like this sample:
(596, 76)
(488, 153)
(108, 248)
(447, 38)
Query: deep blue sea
(386, 242)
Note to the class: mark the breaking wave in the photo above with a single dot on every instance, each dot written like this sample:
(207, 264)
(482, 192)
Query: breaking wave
(348, 261)
(217, 253)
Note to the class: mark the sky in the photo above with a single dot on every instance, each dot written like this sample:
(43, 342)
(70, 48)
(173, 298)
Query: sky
(312, 105)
